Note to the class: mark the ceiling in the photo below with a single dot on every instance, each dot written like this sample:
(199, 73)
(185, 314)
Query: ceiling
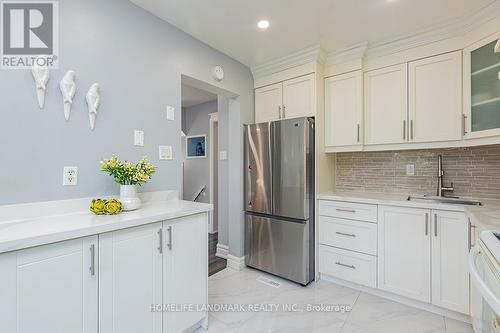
(192, 96)
(231, 25)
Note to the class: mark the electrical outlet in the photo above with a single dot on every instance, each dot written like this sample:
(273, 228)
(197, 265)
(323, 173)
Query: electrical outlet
(70, 176)
(410, 169)
(139, 138)
(170, 112)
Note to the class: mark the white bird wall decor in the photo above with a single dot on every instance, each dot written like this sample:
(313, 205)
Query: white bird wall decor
(40, 71)
(68, 90)
(93, 99)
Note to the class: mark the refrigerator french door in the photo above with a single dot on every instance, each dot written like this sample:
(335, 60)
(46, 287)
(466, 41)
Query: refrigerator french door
(279, 198)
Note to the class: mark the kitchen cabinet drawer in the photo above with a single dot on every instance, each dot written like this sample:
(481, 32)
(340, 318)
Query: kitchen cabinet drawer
(347, 265)
(350, 235)
(348, 210)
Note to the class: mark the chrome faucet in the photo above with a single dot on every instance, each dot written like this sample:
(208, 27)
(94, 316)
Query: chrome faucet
(442, 189)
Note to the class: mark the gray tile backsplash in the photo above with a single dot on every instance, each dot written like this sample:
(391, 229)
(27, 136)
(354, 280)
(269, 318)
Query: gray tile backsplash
(475, 171)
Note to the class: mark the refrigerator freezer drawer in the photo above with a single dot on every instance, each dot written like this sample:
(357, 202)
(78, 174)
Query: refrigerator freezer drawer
(280, 247)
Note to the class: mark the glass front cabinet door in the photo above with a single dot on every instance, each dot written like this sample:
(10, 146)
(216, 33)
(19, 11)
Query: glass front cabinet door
(482, 88)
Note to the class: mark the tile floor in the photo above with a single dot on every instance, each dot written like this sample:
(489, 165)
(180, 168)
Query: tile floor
(370, 314)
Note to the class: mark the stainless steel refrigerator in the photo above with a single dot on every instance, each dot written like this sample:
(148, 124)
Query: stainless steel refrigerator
(279, 198)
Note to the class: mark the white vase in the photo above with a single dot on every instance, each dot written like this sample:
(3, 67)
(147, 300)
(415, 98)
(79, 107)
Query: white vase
(129, 198)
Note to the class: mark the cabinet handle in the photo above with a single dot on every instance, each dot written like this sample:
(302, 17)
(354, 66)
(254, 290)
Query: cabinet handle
(435, 225)
(344, 265)
(284, 109)
(92, 259)
(464, 124)
(160, 236)
(411, 129)
(472, 233)
(345, 210)
(347, 235)
(404, 129)
(279, 112)
(169, 244)
(358, 132)
(426, 224)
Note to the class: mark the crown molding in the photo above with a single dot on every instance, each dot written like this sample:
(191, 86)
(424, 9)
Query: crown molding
(450, 29)
(356, 51)
(311, 54)
(365, 50)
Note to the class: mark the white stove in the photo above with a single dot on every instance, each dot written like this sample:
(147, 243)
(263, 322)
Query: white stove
(484, 268)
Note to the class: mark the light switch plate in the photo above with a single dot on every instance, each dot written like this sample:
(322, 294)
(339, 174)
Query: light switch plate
(70, 176)
(223, 155)
(139, 138)
(170, 112)
(165, 152)
(410, 169)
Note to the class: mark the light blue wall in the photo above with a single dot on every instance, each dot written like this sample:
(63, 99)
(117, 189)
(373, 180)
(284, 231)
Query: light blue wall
(197, 170)
(138, 60)
(224, 191)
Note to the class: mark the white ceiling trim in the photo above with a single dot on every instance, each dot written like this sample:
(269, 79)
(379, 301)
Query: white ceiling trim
(365, 50)
(450, 29)
(301, 57)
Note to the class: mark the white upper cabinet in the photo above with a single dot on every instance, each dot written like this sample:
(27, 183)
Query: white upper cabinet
(299, 97)
(292, 98)
(268, 103)
(404, 252)
(50, 288)
(386, 117)
(450, 249)
(435, 98)
(130, 280)
(344, 110)
(482, 88)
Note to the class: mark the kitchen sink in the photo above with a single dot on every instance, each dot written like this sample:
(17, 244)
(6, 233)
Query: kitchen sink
(446, 200)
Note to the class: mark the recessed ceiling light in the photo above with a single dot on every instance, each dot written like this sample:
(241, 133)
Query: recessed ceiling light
(263, 24)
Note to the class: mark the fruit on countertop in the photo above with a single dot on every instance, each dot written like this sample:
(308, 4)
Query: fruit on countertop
(106, 207)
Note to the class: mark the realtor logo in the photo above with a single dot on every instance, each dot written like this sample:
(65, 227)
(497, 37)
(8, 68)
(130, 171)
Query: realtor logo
(29, 29)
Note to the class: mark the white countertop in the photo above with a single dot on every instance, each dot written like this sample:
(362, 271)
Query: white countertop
(486, 216)
(33, 231)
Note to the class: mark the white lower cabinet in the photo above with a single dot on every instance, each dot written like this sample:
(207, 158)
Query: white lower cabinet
(404, 252)
(185, 271)
(108, 283)
(130, 280)
(349, 265)
(450, 249)
(417, 253)
(349, 234)
(50, 288)
(163, 264)
(423, 255)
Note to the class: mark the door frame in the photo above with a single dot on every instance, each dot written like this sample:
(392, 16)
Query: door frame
(214, 118)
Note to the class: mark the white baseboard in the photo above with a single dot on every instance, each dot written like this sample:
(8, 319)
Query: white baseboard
(236, 263)
(400, 299)
(222, 251)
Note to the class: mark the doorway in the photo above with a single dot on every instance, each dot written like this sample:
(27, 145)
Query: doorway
(200, 162)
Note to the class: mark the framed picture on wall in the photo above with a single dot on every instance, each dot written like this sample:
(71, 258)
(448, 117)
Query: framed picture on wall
(196, 146)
